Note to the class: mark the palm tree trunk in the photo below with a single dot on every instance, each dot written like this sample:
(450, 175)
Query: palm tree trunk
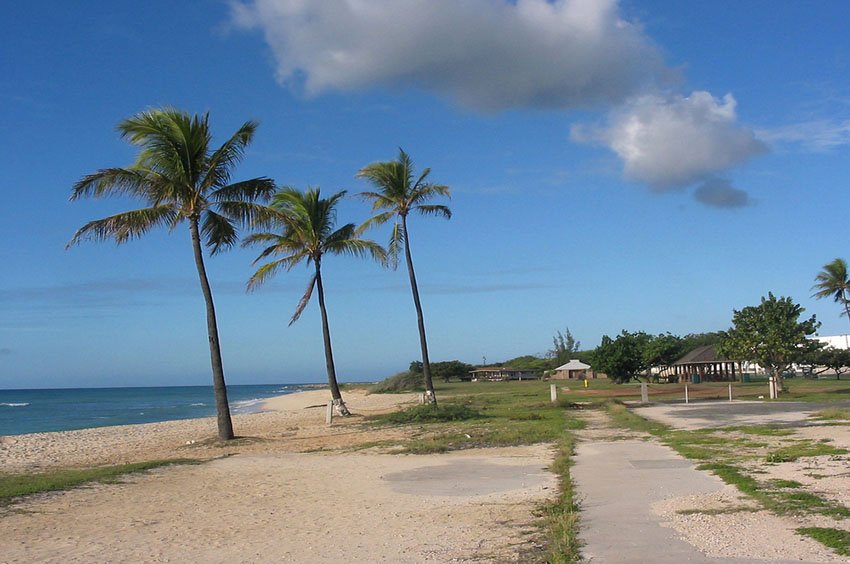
(339, 404)
(430, 396)
(847, 308)
(222, 407)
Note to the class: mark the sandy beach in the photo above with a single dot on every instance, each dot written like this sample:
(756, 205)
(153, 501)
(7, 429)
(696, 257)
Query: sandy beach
(291, 491)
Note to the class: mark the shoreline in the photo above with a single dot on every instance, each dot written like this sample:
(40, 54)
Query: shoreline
(24, 412)
(285, 423)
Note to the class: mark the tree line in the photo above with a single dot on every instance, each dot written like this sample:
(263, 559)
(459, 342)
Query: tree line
(183, 179)
(773, 334)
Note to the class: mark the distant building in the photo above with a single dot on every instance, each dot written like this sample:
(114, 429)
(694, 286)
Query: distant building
(497, 373)
(574, 369)
(840, 342)
(703, 364)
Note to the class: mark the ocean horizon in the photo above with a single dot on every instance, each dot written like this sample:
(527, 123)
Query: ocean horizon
(68, 409)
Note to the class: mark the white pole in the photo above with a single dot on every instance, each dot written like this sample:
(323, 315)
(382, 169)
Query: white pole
(553, 392)
(686, 394)
(329, 414)
(644, 392)
(730, 392)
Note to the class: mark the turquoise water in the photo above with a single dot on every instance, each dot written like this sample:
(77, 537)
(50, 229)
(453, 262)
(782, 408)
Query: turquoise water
(35, 411)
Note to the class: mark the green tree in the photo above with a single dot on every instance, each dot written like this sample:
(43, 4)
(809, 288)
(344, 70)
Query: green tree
(662, 350)
(693, 341)
(837, 360)
(834, 282)
(398, 193)
(451, 369)
(564, 347)
(304, 225)
(770, 334)
(181, 178)
(622, 358)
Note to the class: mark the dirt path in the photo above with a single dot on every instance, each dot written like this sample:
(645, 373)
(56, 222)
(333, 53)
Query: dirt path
(642, 502)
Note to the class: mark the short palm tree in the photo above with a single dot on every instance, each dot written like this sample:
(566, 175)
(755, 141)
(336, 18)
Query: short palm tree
(304, 225)
(833, 282)
(181, 178)
(399, 192)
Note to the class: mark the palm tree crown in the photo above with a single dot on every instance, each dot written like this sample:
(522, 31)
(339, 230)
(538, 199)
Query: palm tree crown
(304, 231)
(399, 192)
(834, 282)
(181, 178)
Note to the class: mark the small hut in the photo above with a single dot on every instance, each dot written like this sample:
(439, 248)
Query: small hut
(574, 369)
(702, 364)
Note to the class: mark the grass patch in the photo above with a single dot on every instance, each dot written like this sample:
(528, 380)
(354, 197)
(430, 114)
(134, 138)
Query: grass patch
(623, 417)
(787, 484)
(562, 515)
(720, 511)
(428, 413)
(802, 449)
(761, 430)
(833, 414)
(13, 486)
(836, 539)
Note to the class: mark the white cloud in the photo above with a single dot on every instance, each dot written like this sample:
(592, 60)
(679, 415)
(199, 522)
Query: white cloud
(673, 141)
(719, 193)
(484, 54)
(816, 135)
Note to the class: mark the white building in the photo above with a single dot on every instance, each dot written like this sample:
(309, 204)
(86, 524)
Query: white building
(841, 342)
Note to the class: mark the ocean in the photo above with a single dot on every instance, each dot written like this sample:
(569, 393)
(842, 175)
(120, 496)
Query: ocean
(36, 411)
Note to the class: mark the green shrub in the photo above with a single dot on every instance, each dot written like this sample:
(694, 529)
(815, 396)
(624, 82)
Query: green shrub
(432, 414)
(406, 381)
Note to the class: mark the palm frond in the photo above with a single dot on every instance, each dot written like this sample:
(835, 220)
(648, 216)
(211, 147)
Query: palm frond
(305, 299)
(172, 142)
(442, 211)
(374, 221)
(264, 273)
(118, 181)
(259, 238)
(426, 192)
(125, 226)
(360, 248)
(832, 281)
(218, 232)
(254, 190)
(222, 161)
(379, 201)
(257, 216)
(395, 245)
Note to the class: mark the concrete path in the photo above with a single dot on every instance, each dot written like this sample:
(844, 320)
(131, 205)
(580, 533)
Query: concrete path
(708, 414)
(617, 483)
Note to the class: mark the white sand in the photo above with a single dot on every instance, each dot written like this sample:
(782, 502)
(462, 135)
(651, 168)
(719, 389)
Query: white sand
(270, 503)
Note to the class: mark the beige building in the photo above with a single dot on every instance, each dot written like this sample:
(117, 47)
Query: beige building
(573, 370)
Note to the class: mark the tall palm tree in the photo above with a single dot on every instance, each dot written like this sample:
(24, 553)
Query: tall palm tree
(400, 192)
(833, 282)
(305, 232)
(181, 178)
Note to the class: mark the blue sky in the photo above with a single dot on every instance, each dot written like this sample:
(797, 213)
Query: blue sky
(640, 165)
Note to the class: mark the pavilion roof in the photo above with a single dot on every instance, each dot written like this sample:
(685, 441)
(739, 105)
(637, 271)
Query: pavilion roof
(574, 365)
